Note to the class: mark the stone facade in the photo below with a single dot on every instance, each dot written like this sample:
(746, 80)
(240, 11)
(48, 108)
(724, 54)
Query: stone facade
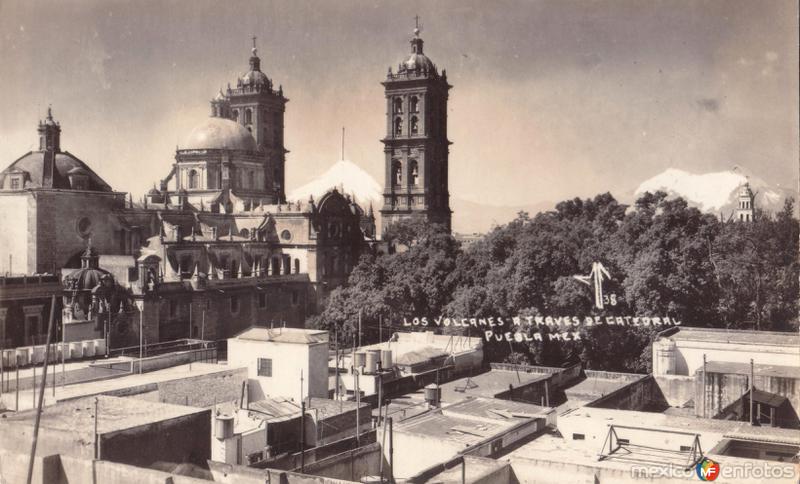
(416, 145)
(213, 249)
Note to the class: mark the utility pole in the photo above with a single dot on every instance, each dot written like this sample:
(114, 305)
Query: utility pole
(359, 328)
(42, 390)
(752, 387)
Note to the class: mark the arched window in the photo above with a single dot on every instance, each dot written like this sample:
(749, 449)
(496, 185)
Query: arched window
(244, 233)
(397, 105)
(397, 172)
(414, 173)
(414, 105)
(414, 125)
(398, 126)
(194, 179)
(297, 266)
(248, 116)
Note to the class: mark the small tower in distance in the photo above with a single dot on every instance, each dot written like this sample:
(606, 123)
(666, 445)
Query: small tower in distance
(746, 204)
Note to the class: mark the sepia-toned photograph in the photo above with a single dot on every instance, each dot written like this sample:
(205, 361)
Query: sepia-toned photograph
(375, 242)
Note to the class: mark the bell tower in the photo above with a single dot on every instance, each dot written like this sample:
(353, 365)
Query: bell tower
(416, 145)
(258, 106)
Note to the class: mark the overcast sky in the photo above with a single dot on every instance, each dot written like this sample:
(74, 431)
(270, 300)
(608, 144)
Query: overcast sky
(552, 99)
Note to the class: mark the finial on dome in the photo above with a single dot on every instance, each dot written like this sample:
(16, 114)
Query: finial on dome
(255, 50)
(50, 112)
(417, 27)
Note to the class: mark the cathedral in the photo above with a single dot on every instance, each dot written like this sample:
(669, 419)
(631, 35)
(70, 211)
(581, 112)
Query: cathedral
(214, 247)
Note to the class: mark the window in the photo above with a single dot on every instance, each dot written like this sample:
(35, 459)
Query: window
(15, 185)
(248, 116)
(414, 173)
(286, 235)
(623, 441)
(398, 126)
(234, 304)
(397, 105)
(397, 172)
(295, 297)
(297, 266)
(265, 367)
(235, 114)
(686, 448)
(244, 233)
(194, 179)
(414, 105)
(578, 437)
(287, 266)
(414, 125)
(262, 300)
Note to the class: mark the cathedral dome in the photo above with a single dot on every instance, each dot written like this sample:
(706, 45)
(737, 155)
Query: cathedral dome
(256, 78)
(220, 133)
(418, 62)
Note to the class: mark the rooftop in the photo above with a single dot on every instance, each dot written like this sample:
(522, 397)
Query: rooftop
(736, 336)
(465, 431)
(284, 335)
(114, 414)
(730, 367)
(488, 384)
(495, 408)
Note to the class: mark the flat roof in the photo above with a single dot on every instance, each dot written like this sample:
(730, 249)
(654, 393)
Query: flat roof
(114, 414)
(737, 336)
(735, 368)
(649, 420)
(284, 335)
(591, 388)
(488, 384)
(496, 408)
(465, 431)
(129, 381)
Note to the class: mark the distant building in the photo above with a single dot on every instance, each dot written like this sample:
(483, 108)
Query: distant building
(416, 144)
(745, 208)
(212, 250)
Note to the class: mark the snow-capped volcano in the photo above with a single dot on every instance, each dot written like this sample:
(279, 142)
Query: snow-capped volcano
(711, 192)
(347, 177)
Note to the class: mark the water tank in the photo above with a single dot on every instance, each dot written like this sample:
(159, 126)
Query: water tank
(360, 359)
(223, 427)
(433, 394)
(373, 357)
(665, 363)
(386, 359)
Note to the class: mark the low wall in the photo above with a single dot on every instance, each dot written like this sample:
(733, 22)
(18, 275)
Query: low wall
(643, 395)
(678, 390)
(351, 465)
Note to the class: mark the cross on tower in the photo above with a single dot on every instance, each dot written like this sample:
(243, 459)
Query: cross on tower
(417, 27)
(254, 41)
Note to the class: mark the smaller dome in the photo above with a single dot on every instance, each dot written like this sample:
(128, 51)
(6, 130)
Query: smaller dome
(87, 278)
(220, 133)
(256, 78)
(418, 61)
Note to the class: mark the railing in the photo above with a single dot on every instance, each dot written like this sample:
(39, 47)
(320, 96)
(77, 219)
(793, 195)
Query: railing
(154, 349)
